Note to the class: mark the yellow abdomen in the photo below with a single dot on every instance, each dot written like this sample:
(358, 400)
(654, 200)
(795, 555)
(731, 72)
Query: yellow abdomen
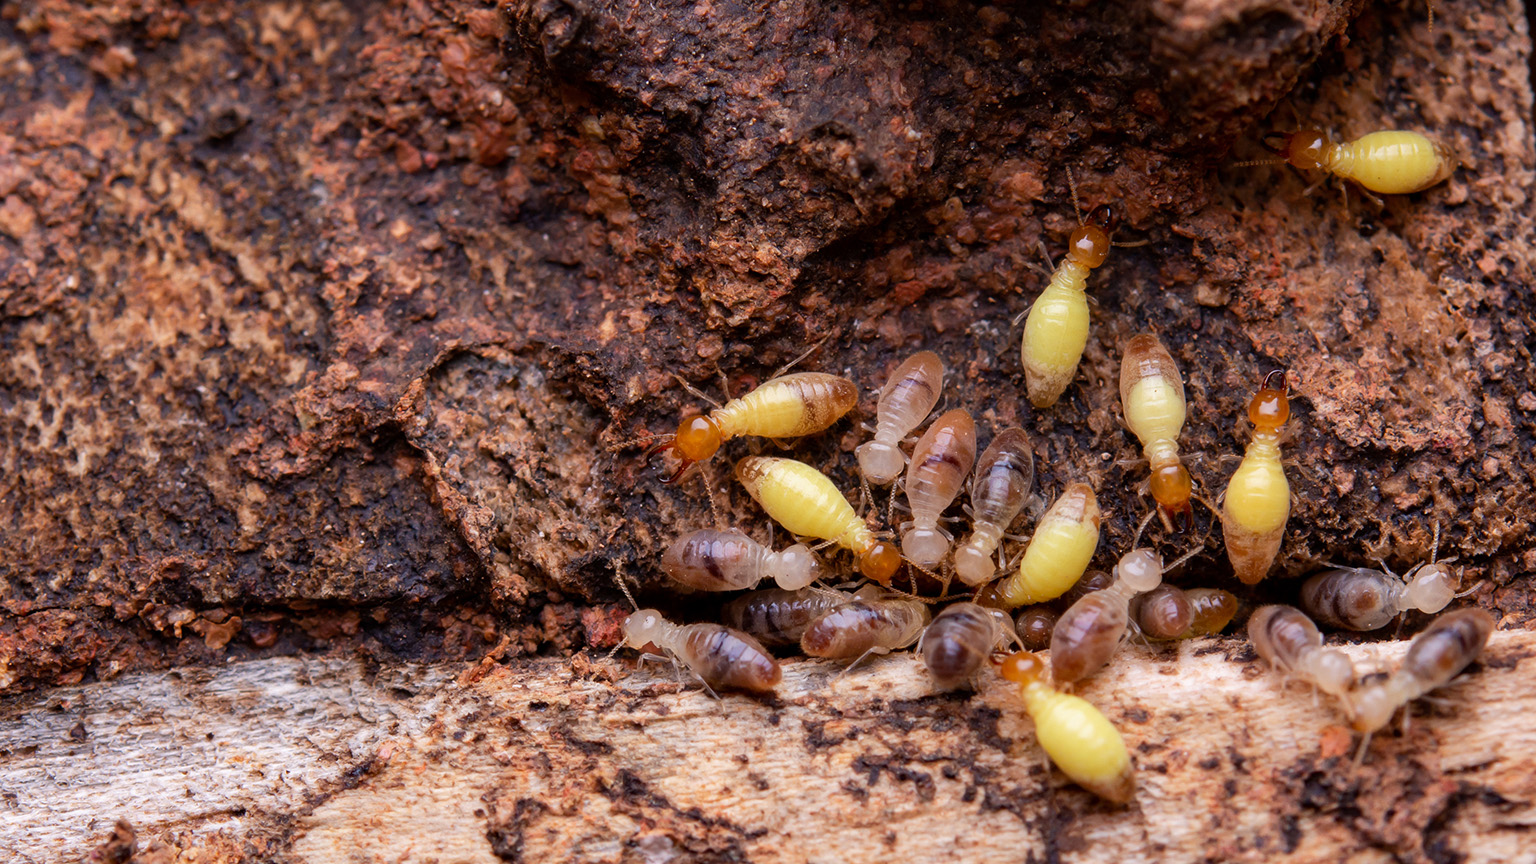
(1064, 542)
(1154, 410)
(788, 407)
(1392, 162)
(1054, 335)
(1081, 741)
(1258, 496)
(803, 500)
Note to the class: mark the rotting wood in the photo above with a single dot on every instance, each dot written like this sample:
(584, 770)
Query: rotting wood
(552, 760)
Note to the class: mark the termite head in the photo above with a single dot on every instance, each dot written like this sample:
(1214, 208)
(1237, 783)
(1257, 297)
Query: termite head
(1306, 148)
(798, 568)
(697, 438)
(1432, 587)
(1089, 244)
(1270, 408)
(1171, 488)
(644, 627)
(1141, 570)
(1371, 707)
(1022, 667)
(879, 562)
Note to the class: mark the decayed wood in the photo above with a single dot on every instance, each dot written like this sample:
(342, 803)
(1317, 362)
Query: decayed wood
(550, 760)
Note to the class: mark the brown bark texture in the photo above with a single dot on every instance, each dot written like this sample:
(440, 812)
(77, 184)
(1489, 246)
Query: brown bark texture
(324, 325)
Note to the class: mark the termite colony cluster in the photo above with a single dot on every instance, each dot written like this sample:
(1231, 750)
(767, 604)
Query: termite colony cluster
(993, 590)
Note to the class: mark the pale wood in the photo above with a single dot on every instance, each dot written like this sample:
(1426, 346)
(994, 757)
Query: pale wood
(335, 765)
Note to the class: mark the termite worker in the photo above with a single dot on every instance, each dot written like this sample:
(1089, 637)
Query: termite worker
(1058, 553)
(1077, 736)
(960, 640)
(806, 503)
(1086, 635)
(1004, 475)
(1448, 645)
(940, 462)
(1056, 330)
(785, 407)
(723, 658)
(908, 397)
(1170, 612)
(1258, 497)
(1288, 640)
(1390, 162)
(710, 560)
(871, 623)
(777, 617)
(1355, 598)
(1152, 396)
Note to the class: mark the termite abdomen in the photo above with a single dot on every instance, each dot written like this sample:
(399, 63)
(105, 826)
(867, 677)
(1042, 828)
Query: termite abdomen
(777, 617)
(959, 640)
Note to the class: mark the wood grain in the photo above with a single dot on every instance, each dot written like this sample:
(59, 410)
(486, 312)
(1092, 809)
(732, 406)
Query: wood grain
(550, 761)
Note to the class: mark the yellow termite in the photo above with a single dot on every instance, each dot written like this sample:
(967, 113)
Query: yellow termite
(1056, 330)
(1258, 497)
(1391, 162)
(1152, 396)
(1058, 553)
(1077, 736)
(785, 407)
(807, 504)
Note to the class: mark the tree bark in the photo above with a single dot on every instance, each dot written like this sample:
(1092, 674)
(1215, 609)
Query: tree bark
(328, 762)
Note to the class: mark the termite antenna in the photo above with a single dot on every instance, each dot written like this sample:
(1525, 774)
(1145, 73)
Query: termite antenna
(1185, 557)
(1136, 541)
(1248, 162)
(618, 579)
(1072, 187)
(808, 352)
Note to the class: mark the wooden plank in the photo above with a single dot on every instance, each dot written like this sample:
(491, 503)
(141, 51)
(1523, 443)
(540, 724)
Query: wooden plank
(552, 760)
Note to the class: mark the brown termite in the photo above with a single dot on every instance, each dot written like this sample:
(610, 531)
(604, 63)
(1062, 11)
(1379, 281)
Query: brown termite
(940, 462)
(1087, 634)
(874, 622)
(960, 640)
(1034, 626)
(711, 560)
(1169, 612)
(1288, 640)
(908, 397)
(1356, 598)
(1004, 475)
(778, 617)
(1448, 645)
(785, 407)
(721, 657)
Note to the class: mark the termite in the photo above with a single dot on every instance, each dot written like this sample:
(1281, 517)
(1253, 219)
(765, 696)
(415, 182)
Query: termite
(1058, 553)
(1152, 396)
(1390, 162)
(1034, 626)
(871, 623)
(1004, 475)
(785, 407)
(940, 462)
(1258, 497)
(1357, 598)
(1077, 736)
(1448, 645)
(722, 657)
(1169, 612)
(710, 560)
(1056, 330)
(806, 503)
(960, 640)
(1086, 635)
(908, 397)
(1288, 640)
(777, 617)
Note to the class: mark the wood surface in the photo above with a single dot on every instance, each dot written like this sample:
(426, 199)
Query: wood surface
(323, 761)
